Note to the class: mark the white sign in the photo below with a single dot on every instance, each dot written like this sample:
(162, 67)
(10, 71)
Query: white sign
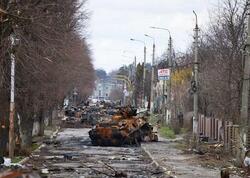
(126, 93)
(163, 74)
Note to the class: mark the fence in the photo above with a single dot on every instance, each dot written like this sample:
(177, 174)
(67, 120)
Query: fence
(213, 129)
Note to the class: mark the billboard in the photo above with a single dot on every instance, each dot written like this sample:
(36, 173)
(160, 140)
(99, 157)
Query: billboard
(163, 74)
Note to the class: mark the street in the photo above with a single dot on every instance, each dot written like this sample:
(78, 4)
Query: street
(71, 155)
(147, 89)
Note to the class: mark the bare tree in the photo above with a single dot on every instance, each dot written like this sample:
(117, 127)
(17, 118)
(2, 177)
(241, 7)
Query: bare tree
(52, 57)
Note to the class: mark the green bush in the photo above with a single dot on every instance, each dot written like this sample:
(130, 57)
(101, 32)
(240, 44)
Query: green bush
(167, 132)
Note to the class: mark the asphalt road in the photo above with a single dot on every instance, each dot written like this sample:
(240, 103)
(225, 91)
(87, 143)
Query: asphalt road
(71, 154)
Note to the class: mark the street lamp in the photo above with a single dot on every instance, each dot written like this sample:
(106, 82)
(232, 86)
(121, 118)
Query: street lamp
(144, 68)
(130, 52)
(170, 43)
(170, 65)
(160, 28)
(152, 75)
(132, 71)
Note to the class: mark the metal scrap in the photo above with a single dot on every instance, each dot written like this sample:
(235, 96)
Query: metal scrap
(123, 128)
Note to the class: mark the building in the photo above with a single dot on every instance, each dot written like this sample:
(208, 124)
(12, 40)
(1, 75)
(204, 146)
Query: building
(103, 88)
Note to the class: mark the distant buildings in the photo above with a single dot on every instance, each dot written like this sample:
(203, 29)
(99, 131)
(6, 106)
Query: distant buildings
(103, 88)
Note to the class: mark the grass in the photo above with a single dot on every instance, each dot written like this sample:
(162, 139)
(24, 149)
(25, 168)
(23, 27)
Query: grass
(35, 146)
(17, 159)
(180, 146)
(164, 131)
(167, 132)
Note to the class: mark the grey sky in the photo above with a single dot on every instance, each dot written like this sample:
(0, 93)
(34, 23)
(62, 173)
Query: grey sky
(114, 22)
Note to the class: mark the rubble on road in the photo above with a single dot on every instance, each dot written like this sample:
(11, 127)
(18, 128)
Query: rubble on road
(75, 156)
(112, 125)
(123, 128)
(87, 116)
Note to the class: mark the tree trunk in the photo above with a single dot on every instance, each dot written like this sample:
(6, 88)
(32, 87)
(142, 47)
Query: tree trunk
(26, 128)
(41, 123)
(3, 139)
(50, 117)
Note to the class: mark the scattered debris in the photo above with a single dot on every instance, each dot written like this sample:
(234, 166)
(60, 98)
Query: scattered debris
(75, 156)
(17, 172)
(45, 171)
(198, 151)
(224, 173)
(1, 160)
(67, 156)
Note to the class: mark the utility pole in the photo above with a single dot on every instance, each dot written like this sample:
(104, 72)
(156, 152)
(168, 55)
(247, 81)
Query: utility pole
(144, 70)
(195, 107)
(152, 81)
(135, 71)
(144, 76)
(12, 99)
(152, 75)
(168, 114)
(165, 101)
(245, 120)
(124, 93)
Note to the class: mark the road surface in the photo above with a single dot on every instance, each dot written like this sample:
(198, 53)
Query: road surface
(178, 164)
(72, 155)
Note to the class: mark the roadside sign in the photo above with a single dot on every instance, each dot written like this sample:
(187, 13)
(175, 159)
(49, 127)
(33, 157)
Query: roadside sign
(163, 74)
(126, 93)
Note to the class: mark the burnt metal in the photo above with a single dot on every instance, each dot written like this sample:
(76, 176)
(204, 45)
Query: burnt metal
(124, 128)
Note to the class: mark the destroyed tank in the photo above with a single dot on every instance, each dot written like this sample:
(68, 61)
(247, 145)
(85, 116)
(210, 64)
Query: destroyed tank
(124, 128)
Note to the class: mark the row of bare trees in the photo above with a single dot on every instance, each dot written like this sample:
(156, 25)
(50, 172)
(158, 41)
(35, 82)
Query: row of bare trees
(220, 64)
(52, 58)
(221, 61)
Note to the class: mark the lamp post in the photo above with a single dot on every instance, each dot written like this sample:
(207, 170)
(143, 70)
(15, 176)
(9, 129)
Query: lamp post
(168, 101)
(144, 69)
(132, 75)
(133, 66)
(152, 75)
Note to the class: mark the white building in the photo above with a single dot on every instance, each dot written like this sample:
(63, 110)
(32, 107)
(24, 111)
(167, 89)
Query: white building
(103, 88)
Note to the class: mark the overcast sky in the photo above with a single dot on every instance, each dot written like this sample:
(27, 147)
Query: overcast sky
(113, 22)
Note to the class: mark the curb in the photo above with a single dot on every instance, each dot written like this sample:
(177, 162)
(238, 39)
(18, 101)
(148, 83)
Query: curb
(154, 162)
(151, 157)
(24, 160)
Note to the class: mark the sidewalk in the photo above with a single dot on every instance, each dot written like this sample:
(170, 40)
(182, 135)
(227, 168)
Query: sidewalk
(176, 163)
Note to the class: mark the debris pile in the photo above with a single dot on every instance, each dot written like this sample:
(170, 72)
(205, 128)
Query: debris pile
(87, 115)
(123, 128)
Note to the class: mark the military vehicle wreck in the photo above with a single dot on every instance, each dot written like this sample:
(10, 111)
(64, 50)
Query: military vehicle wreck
(123, 128)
